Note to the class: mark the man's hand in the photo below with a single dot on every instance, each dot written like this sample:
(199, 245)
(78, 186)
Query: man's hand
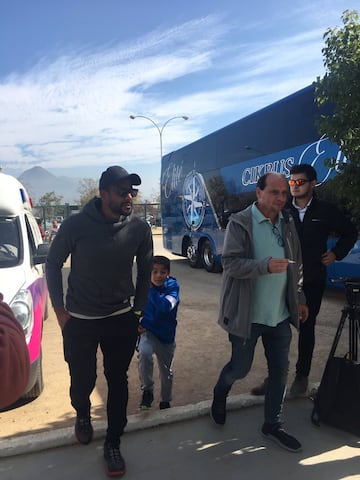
(303, 312)
(278, 265)
(62, 316)
(328, 258)
(141, 329)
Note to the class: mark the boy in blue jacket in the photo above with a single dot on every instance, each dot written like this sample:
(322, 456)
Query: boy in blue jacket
(157, 334)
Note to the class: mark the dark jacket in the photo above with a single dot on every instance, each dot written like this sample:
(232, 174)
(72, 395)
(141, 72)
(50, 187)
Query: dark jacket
(102, 254)
(160, 313)
(321, 220)
(241, 269)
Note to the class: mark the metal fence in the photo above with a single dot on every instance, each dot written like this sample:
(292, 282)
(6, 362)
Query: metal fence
(150, 212)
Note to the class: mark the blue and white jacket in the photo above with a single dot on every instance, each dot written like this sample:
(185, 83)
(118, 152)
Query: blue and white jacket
(161, 310)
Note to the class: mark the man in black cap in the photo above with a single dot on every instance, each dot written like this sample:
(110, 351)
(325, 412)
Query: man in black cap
(102, 305)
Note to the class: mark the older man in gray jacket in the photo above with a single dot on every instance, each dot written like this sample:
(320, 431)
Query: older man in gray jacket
(261, 296)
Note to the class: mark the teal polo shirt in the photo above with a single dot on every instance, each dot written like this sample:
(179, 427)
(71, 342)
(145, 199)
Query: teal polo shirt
(269, 301)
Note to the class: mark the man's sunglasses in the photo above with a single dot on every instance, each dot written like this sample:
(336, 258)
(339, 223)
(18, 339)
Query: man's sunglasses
(299, 182)
(124, 192)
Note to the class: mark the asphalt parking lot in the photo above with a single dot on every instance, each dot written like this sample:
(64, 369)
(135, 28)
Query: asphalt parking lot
(202, 349)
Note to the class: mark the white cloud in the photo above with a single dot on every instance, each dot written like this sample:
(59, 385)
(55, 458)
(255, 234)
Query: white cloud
(74, 110)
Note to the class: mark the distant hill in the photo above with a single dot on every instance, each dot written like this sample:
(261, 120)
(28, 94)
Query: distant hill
(39, 181)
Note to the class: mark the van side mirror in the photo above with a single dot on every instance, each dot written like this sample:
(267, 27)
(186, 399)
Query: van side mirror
(41, 253)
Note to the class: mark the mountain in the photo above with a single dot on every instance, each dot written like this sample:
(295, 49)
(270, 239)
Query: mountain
(39, 181)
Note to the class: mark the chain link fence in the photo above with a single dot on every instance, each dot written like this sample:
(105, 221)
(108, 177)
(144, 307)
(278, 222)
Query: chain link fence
(150, 212)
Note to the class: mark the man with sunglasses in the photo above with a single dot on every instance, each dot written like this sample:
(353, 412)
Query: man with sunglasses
(261, 296)
(315, 220)
(103, 307)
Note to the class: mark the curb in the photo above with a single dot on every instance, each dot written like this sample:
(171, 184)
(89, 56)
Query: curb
(63, 437)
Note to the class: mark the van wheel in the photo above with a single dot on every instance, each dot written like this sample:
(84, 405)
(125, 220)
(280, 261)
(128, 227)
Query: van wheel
(46, 312)
(39, 382)
(192, 255)
(208, 258)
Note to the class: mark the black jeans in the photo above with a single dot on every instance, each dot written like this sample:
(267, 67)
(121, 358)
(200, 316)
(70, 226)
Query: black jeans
(313, 293)
(117, 338)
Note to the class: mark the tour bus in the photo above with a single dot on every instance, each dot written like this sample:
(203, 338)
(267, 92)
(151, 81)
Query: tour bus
(22, 278)
(204, 182)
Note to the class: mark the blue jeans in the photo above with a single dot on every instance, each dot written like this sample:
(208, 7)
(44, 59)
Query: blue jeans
(149, 345)
(276, 341)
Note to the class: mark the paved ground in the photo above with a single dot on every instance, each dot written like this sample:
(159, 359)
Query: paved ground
(202, 349)
(196, 449)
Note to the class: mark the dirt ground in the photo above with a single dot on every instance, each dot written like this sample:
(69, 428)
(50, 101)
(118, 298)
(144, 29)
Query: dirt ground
(202, 350)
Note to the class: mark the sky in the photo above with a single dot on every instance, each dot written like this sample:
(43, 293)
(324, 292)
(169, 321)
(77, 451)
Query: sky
(73, 71)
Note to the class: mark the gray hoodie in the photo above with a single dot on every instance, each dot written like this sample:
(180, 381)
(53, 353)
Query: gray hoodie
(240, 269)
(102, 255)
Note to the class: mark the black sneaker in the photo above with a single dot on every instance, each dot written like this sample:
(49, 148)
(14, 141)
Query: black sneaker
(115, 462)
(84, 430)
(147, 400)
(164, 405)
(218, 409)
(279, 436)
(260, 389)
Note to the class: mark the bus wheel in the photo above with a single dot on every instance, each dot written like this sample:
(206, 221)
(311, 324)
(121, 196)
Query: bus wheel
(192, 256)
(208, 258)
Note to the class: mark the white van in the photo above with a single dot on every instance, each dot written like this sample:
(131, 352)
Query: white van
(22, 277)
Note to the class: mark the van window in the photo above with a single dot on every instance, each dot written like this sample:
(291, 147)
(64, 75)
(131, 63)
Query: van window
(33, 235)
(10, 242)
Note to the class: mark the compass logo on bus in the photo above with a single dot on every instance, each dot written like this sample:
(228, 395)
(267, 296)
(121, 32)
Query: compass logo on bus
(194, 200)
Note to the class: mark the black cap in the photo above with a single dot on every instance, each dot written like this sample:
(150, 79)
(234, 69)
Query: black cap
(115, 174)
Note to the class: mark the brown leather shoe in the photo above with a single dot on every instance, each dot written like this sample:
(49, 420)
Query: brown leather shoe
(260, 389)
(299, 386)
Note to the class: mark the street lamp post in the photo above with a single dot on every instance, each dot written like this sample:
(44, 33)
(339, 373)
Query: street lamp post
(159, 129)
